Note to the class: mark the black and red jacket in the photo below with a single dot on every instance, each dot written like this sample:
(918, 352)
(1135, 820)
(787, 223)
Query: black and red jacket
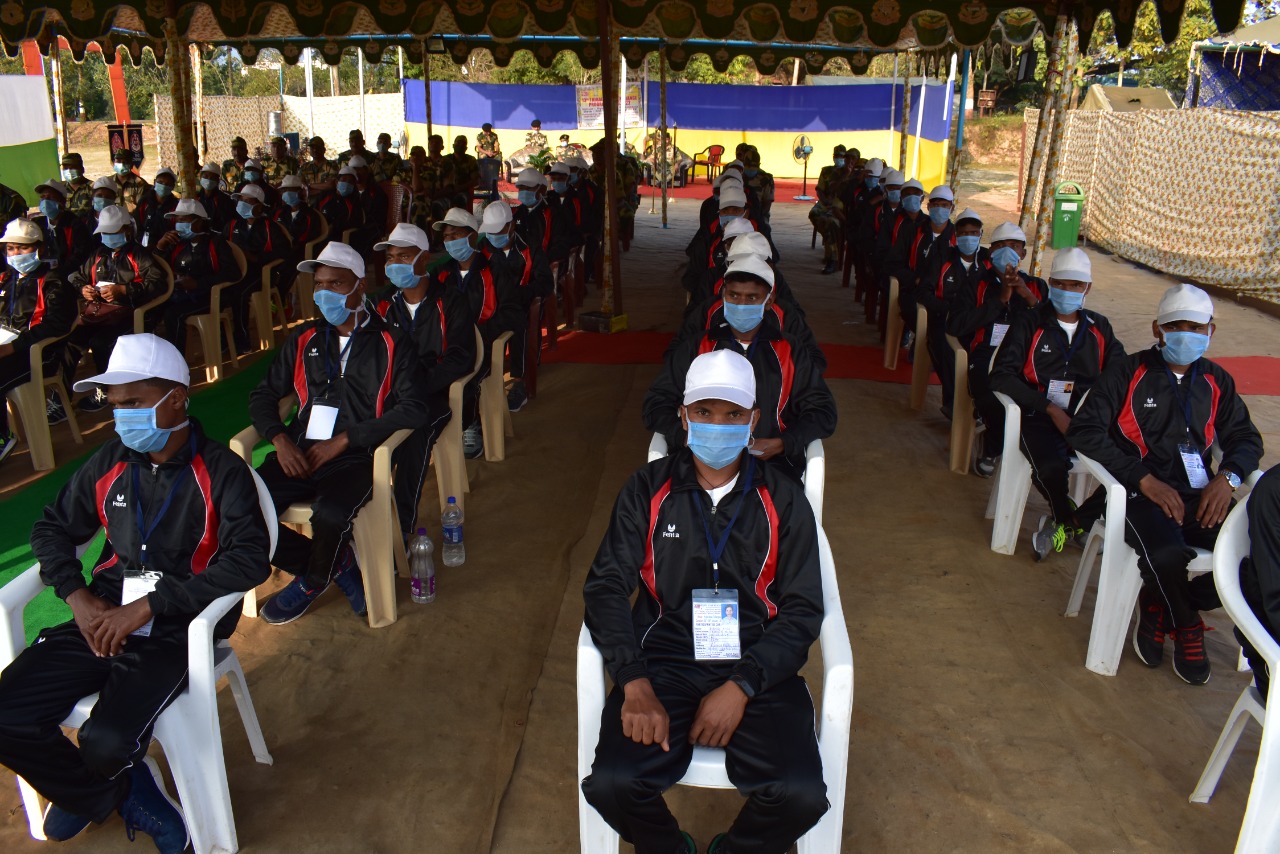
(205, 257)
(527, 266)
(37, 306)
(977, 308)
(901, 241)
(709, 314)
(67, 242)
(656, 542)
(379, 393)
(795, 403)
(261, 239)
(341, 212)
(443, 336)
(546, 226)
(1134, 420)
(149, 221)
(925, 255)
(130, 265)
(302, 224)
(210, 542)
(488, 289)
(1035, 352)
(221, 209)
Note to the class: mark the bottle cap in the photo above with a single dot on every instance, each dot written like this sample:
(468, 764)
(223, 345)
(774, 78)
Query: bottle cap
(422, 532)
(452, 500)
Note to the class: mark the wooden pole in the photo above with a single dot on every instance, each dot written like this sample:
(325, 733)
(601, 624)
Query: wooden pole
(59, 111)
(1044, 128)
(426, 86)
(1044, 217)
(611, 297)
(662, 120)
(180, 91)
(197, 102)
(906, 118)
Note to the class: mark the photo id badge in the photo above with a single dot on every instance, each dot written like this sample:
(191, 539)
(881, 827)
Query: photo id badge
(715, 625)
(1194, 464)
(998, 331)
(321, 421)
(1060, 393)
(138, 583)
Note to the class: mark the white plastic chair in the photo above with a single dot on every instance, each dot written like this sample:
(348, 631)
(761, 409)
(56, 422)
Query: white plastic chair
(1261, 828)
(447, 457)
(921, 364)
(495, 417)
(963, 430)
(707, 768)
(217, 322)
(814, 477)
(267, 308)
(28, 403)
(188, 729)
(893, 327)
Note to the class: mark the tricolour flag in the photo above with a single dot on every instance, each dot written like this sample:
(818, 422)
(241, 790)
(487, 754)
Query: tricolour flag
(28, 151)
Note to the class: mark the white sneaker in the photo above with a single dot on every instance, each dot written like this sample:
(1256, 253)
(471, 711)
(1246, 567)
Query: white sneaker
(472, 442)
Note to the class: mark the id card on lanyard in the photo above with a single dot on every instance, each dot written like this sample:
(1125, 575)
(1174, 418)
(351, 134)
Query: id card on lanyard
(715, 611)
(1059, 391)
(323, 417)
(138, 583)
(1192, 459)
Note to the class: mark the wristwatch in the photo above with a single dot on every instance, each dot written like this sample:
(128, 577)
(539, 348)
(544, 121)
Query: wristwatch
(1232, 478)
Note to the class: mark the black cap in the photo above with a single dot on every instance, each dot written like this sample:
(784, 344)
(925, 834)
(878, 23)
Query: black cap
(486, 126)
(537, 123)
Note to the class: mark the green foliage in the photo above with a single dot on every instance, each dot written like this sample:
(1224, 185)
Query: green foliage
(1157, 63)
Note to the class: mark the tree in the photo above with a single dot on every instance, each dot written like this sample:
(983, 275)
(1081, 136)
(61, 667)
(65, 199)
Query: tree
(1158, 64)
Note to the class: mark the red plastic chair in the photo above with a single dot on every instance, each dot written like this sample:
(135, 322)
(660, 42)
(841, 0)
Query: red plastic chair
(712, 161)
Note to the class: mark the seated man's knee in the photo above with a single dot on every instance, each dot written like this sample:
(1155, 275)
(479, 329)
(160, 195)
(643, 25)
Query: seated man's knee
(1165, 558)
(106, 749)
(614, 784)
(803, 799)
(333, 514)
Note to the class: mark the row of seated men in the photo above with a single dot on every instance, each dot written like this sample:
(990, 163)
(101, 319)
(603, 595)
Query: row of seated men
(1151, 418)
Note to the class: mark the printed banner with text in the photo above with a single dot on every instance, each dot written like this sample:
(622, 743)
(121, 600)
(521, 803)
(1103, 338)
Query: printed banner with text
(591, 107)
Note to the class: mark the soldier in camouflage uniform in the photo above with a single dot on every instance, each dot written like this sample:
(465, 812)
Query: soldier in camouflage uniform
(487, 144)
(131, 187)
(233, 167)
(760, 182)
(356, 140)
(386, 165)
(460, 174)
(79, 188)
(318, 174)
(535, 140)
(280, 163)
(565, 151)
(826, 213)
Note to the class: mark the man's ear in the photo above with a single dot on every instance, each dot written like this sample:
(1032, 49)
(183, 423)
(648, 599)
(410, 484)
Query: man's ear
(1157, 332)
(755, 418)
(684, 417)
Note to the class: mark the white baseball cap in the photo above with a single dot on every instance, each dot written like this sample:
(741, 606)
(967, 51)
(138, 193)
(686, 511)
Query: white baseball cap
(913, 184)
(721, 375)
(22, 231)
(753, 244)
(732, 196)
(458, 217)
(140, 357)
(252, 164)
(560, 168)
(1008, 231)
(250, 191)
(187, 207)
(1072, 264)
(167, 171)
(405, 235)
(579, 163)
(338, 255)
(1183, 302)
(357, 162)
(942, 192)
(291, 182)
(347, 170)
(57, 186)
(752, 265)
(875, 166)
(496, 217)
(530, 179)
(969, 213)
(737, 227)
(211, 169)
(892, 176)
(106, 182)
(726, 178)
(112, 219)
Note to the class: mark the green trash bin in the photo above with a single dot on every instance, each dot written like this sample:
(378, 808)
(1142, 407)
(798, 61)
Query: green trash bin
(1068, 213)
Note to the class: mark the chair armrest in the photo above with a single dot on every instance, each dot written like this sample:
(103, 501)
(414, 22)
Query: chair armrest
(815, 476)
(36, 354)
(383, 453)
(1231, 547)
(1117, 499)
(498, 350)
(267, 270)
(14, 597)
(200, 666)
(243, 443)
(1012, 421)
(837, 653)
(590, 691)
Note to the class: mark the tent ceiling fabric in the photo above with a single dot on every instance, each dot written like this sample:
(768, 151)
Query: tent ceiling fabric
(866, 23)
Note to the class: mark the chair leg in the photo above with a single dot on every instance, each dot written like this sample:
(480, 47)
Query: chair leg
(893, 329)
(248, 716)
(373, 543)
(34, 805)
(60, 389)
(228, 330)
(922, 365)
(29, 401)
(194, 753)
(1092, 545)
(1118, 586)
(1246, 706)
(1013, 485)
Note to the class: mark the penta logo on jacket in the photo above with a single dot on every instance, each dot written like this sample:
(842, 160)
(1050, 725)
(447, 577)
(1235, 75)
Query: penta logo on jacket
(1150, 404)
(119, 502)
(671, 533)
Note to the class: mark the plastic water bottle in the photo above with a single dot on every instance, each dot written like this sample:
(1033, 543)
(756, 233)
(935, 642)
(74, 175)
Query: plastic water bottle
(453, 550)
(422, 569)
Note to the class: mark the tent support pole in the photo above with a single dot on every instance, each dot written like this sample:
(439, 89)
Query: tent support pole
(662, 135)
(611, 296)
(426, 89)
(964, 101)
(180, 91)
(1053, 163)
(906, 118)
(1044, 128)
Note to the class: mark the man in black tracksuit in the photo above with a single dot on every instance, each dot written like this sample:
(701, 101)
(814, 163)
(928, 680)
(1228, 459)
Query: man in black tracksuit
(796, 405)
(439, 325)
(1050, 357)
(200, 259)
(203, 537)
(669, 691)
(1151, 420)
(704, 248)
(949, 270)
(67, 241)
(359, 383)
(990, 297)
(900, 251)
(539, 222)
(1260, 572)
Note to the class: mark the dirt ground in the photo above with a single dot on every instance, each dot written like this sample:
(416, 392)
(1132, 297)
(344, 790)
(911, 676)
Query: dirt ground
(976, 727)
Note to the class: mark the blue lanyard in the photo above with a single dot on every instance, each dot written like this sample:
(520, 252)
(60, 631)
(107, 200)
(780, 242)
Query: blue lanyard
(717, 549)
(329, 369)
(144, 530)
(1185, 405)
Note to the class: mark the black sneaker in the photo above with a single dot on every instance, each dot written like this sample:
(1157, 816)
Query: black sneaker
(984, 466)
(472, 442)
(350, 581)
(7, 443)
(290, 603)
(829, 268)
(1148, 634)
(93, 402)
(1189, 659)
(149, 808)
(54, 412)
(517, 397)
(60, 825)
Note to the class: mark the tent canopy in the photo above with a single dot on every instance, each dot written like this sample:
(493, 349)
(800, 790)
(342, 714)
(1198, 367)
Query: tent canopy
(1264, 35)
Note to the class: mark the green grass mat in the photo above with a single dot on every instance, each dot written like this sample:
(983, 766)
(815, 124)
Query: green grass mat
(223, 410)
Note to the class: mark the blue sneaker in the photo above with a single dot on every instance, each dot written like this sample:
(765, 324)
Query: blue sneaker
(290, 603)
(60, 825)
(149, 808)
(349, 581)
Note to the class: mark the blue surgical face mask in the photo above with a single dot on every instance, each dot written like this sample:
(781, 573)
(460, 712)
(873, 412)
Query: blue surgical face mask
(114, 241)
(346, 188)
(872, 181)
(209, 184)
(184, 229)
(911, 204)
(750, 172)
(163, 190)
(402, 275)
(24, 263)
(839, 162)
(251, 175)
(119, 168)
(1064, 301)
(718, 445)
(725, 220)
(968, 243)
(70, 174)
(244, 209)
(50, 208)
(137, 428)
(1005, 256)
(291, 197)
(1183, 348)
(528, 198)
(333, 306)
(575, 177)
(743, 318)
(459, 249)
(100, 202)
(498, 241)
(560, 187)
(894, 196)
(939, 215)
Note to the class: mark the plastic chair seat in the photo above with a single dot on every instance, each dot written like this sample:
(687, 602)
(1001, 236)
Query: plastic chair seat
(495, 418)
(267, 308)
(28, 402)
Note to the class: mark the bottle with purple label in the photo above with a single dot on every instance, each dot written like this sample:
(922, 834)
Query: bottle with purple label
(453, 551)
(422, 569)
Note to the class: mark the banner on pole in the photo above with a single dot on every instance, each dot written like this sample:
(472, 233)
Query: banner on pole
(591, 107)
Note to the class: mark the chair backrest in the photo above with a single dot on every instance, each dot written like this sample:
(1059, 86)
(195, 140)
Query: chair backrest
(1231, 547)
(309, 249)
(715, 152)
(396, 198)
(241, 261)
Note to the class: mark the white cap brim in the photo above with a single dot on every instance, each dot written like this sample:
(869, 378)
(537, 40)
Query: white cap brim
(713, 391)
